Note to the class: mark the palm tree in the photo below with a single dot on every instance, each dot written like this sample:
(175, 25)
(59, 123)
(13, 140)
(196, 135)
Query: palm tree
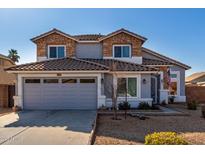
(13, 55)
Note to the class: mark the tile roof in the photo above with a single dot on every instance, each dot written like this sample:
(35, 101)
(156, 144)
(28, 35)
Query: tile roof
(194, 76)
(54, 30)
(118, 65)
(73, 64)
(165, 58)
(125, 31)
(63, 64)
(147, 61)
(88, 37)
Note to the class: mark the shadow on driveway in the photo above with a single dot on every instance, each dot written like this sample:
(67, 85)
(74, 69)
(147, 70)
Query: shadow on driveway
(72, 120)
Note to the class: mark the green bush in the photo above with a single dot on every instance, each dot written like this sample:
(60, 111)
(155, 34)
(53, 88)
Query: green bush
(164, 138)
(171, 99)
(144, 106)
(124, 106)
(192, 105)
(203, 110)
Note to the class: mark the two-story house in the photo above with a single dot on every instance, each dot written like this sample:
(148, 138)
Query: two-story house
(80, 71)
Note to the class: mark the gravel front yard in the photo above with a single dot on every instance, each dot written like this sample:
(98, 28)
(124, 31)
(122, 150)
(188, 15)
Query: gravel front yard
(132, 130)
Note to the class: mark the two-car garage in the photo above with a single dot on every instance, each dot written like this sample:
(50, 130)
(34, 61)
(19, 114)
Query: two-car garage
(60, 93)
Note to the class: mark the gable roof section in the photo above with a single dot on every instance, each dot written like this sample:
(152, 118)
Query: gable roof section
(122, 30)
(166, 58)
(63, 64)
(88, 37)
(7, 58)
(118, 65)
(194, 76)
(74, 64)
(155, 62)
(51, 32)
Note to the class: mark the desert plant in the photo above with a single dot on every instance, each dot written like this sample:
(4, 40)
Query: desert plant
(164, 138)
(144, 106)
(124, 106)
(192, 105)
(203, 110)
(103, 107)
(171, 99)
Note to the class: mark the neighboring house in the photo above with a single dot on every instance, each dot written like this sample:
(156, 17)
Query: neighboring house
(79, 71)
(7, 82)
(196, 79)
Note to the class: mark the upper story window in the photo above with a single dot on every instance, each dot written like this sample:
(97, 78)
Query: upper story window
(122, 51)
(57, 51)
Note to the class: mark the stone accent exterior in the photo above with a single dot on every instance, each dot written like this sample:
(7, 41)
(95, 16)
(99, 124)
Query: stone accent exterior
(55, 39)
(165, 75)
(122, 38)
(3, 95)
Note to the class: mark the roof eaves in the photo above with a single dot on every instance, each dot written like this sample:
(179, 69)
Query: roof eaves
(51, 32)
(7, 58)
(166, 58)
(125, 31)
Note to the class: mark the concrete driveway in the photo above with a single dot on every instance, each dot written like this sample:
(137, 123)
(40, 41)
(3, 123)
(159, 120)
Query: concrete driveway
(47, 127)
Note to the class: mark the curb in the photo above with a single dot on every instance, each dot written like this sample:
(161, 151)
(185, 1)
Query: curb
(92, 134)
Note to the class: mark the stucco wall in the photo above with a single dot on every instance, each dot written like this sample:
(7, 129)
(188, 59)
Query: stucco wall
(108, 81)
(146, 87)
(89, 50)
(182, 78)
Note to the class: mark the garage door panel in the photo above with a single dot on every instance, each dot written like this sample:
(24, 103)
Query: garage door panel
(60, 96)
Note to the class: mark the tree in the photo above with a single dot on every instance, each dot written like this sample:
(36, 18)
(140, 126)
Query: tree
(13, 55)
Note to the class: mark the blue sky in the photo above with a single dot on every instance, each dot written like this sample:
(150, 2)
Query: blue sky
(178, 33)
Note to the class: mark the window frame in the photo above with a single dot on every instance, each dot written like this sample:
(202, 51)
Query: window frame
(32, 79)
(177, 80)
(137, 85)
(87, 79)
(43, 80)
(75, 79)
(48, 53)
(121, 45)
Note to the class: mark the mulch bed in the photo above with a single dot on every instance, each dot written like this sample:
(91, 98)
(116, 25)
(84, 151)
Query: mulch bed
(133, 130)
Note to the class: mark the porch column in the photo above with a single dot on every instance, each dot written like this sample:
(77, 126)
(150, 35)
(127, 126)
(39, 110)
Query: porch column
(18, 98)
(164, 93)
(101, 98)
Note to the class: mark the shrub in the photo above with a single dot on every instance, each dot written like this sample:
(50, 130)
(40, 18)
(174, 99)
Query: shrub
(192, 105)
(163, 102)
(164, 138)
(155, 107)
(124, 106)
(144, 106)
(203, 110)
(171, 99)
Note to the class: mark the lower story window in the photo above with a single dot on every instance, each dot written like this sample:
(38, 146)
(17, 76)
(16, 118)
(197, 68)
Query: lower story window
(173, 86)
(32, 81)
(50, 81)
(87, 80)
(127, 86)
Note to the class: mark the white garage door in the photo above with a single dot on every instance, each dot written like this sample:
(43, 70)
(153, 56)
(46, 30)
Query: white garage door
(64, 93)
